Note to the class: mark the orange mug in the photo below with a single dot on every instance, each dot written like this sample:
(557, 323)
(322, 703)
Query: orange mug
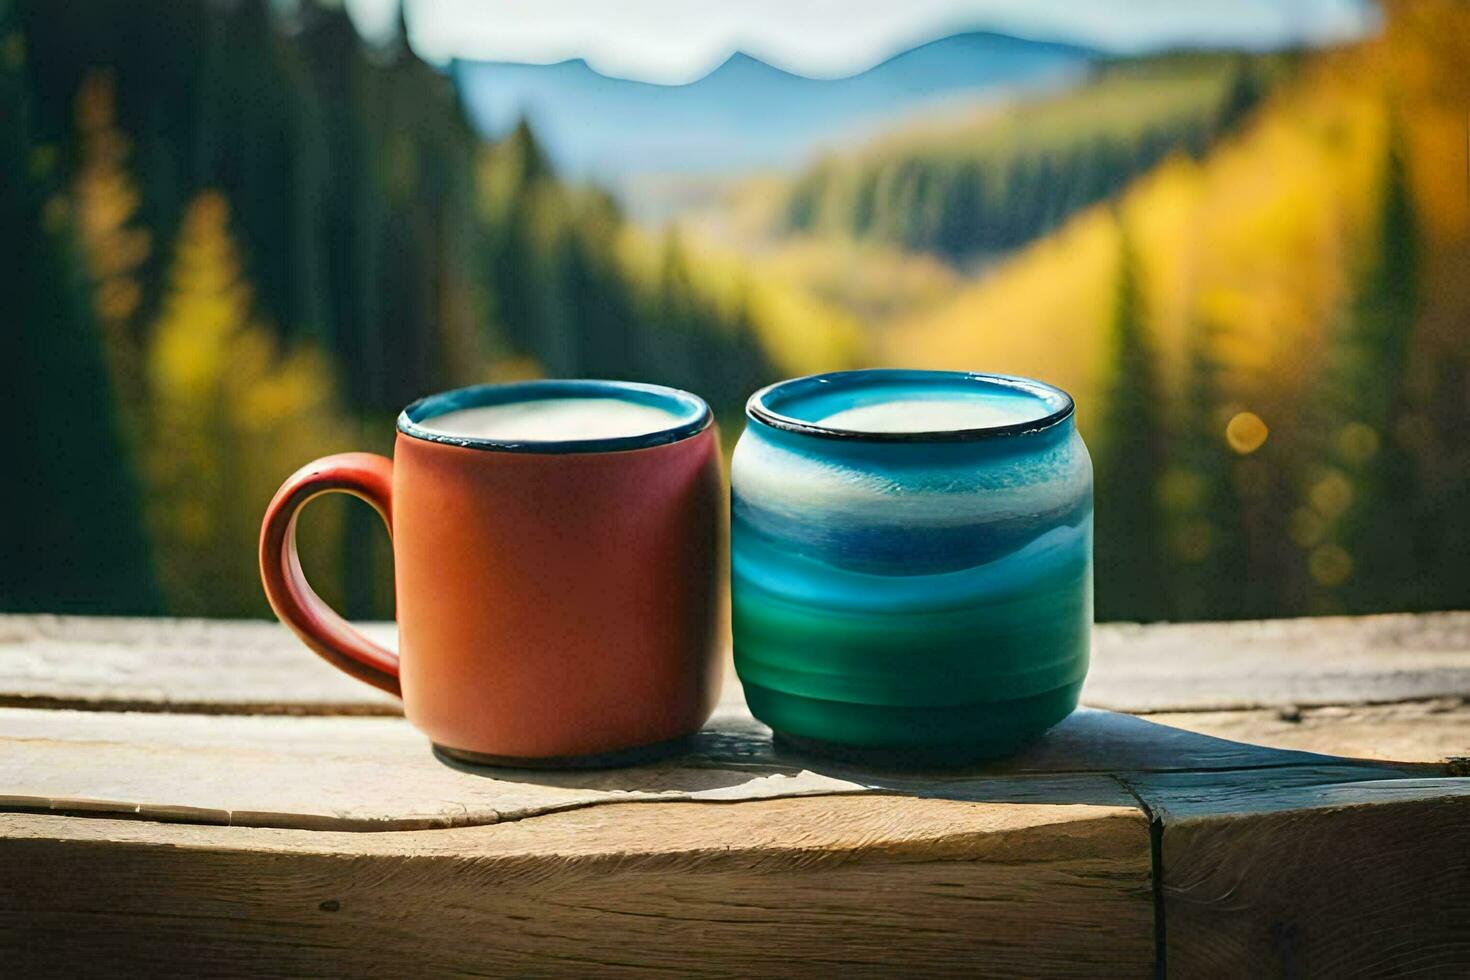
(556, 593)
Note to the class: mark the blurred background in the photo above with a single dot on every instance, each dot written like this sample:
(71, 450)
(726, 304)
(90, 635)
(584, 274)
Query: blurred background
(244, 233)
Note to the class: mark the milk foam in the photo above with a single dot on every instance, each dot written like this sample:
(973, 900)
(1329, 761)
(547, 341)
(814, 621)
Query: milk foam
(936, 414)
(552, 420)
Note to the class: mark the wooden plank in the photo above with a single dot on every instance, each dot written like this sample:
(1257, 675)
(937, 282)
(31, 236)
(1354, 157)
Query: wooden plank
(368, 773)
(780, 887)
(122, 664)
(1413, 731)
(1178, 798)
(194, 665)
(1273, 663)
(345, 773)
(1304, 872)
(1104, 741)
(1089, 740)
(962, 864)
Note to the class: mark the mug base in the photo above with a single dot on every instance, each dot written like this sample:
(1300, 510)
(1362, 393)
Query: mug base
(907, 737)
(962, 756)
(619, 759)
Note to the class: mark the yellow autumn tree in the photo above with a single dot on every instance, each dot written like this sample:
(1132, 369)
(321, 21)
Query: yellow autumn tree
(231, 415)
(107, 202)
(1322, 247)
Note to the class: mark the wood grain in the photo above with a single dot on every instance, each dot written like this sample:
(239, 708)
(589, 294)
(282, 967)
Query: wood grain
(1365, 878)
(1176, 798)
(176, 664)
(350, 773)
(365, 773)
(1275, 663)
(1299, 816)
(196, 665)
(1413, 731)
(784, 887)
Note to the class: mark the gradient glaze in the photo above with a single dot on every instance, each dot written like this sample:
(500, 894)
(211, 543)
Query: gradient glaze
(927, 591)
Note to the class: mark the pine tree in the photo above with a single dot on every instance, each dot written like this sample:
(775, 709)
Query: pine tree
(1207, 549)
(1446, 512)
(1365, 486)
(804, 200)
(514, 200)
(1131, 461)
(745, 366)
(74, 539)
(1241, 96)
(232, 416)
(596, 292)
(673, 316)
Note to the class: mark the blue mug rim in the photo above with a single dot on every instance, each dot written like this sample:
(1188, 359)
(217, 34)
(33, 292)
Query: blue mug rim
(693, 414)
(757, 410)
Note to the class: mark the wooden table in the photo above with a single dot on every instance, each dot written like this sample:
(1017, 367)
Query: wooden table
(1241, 799)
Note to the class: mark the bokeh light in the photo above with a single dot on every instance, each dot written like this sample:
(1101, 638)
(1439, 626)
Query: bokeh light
(1332, 495)
(1330, 565)
(1246, 433)
(1357, 442)
(1306, 527)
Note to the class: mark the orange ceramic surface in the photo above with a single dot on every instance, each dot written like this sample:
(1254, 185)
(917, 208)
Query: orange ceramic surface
(551, 604)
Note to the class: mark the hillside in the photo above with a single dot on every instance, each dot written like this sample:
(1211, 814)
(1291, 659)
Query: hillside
(1257, 235)
(896, 226)
(997, 177)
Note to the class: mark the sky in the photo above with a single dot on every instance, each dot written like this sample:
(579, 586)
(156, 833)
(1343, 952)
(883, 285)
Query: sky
(674, 41)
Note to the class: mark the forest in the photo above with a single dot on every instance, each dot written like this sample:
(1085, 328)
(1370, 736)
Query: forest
(247, 239)
(1021, 170)
(1269, 344)
(243, 236)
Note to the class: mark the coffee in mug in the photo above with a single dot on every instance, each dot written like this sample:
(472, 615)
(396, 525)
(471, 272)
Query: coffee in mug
(553, 419)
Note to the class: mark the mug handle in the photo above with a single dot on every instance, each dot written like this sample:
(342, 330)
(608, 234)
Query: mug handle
(364, 475)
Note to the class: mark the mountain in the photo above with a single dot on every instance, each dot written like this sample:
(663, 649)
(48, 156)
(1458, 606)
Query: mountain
(745, 114)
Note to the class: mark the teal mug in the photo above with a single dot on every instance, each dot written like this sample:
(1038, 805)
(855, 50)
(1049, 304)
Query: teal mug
(912, 562)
